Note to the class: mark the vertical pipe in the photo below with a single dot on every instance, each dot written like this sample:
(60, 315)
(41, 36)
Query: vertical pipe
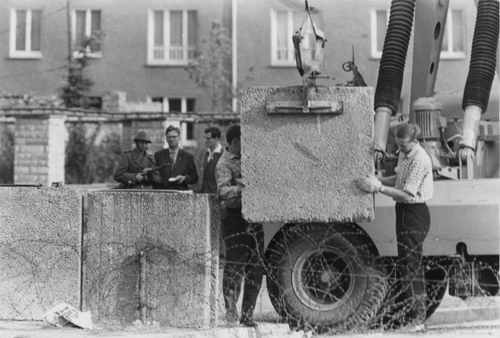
(234, 22)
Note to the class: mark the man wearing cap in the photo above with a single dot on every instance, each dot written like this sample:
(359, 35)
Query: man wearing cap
(134, 164)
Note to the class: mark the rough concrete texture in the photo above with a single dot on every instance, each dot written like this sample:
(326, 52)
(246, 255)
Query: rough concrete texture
(39, 250)
(178, 236)
(301, 168)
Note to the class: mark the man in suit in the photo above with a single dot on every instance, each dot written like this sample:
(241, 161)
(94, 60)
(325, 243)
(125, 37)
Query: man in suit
(176, 168)
(134, 164)
(210, 158)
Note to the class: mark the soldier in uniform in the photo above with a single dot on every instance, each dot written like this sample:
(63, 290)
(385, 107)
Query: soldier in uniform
(135, 166)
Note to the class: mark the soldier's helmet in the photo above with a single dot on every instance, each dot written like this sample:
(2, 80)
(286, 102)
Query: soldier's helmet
(142, 136)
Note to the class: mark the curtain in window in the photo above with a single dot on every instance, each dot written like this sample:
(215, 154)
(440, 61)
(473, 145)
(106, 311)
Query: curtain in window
(175, 28)
(95, 29)
(79, 28)
(36, 28)
(21, 30)
(158, 28)
(192, 33)
(282, 35)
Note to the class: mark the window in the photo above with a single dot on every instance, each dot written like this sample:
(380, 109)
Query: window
(172, 36)
(175, 105)
(379, 21)
(189, 130)
(190, 105)
(25, 33)
(454, 36)
(86, 31)
(282, 53)
(453, 40)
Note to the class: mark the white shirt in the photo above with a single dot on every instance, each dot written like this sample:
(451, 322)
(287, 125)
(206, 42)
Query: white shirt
(414, 174)
(217, 149)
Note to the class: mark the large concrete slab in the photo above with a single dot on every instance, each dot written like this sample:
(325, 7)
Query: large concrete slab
(39, 250)
(175, 283)
(301, 168)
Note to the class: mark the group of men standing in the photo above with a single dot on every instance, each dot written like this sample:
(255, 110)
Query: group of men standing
(174, 168)
(171, 168)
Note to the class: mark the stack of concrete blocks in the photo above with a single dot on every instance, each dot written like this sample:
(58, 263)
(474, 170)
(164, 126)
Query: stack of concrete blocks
(301, 167)
(40, 236)
(151, 255)
(40, 138)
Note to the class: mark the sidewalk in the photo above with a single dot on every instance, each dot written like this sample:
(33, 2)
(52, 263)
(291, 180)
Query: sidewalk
(454, 318)
(9, 329)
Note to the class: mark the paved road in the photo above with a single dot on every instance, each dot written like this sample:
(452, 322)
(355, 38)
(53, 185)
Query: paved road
(486, 329)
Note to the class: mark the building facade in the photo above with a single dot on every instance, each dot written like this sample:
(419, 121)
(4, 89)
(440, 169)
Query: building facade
(265, 50)
(142, 46)
(145, 45)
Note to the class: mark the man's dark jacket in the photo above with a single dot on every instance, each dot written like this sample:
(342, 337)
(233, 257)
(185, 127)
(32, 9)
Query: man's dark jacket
(131, 163)
(209, 185)
(184, 165)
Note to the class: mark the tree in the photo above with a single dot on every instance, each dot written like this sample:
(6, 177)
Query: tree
(78, 84)
(211, 68)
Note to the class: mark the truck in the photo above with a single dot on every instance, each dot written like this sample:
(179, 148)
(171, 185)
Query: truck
(342, 275)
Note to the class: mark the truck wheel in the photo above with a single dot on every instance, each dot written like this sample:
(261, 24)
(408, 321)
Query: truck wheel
(320, 279)
(394, 311)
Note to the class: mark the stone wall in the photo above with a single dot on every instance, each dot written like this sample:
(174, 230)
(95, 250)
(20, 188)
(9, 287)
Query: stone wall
(301, 167)
(151, 255)
(39, 149)
(40, 236)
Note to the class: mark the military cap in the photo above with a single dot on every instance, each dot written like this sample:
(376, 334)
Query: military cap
(142, 136)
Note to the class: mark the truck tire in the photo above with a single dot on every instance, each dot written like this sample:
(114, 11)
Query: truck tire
(322, 276)
(394, 311)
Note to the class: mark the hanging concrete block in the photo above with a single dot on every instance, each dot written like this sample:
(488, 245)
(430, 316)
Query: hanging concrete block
(40, 235)
(300, 167)
(151, 256)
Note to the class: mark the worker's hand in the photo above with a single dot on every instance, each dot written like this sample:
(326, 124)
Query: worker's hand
(145, 171)
(239, 182)
(139, 177)
(465, 153)
(368, 184)
(179, 179)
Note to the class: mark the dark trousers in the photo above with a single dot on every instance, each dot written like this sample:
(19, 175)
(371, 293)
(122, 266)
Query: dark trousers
(412, 226)
(244, 245)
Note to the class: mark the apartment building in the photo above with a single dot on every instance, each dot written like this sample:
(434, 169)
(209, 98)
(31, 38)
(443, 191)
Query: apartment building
(146, 44)
(143, 48)
(265, 50)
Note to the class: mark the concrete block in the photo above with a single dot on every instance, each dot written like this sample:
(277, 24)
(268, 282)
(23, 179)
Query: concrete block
(178, 236)
(39, 250)
(301, 168)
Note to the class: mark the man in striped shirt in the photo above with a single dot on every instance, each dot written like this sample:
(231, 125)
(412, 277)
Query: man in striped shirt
(411, 187)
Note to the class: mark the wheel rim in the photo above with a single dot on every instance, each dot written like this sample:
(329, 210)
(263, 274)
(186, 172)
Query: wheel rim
(322, 279)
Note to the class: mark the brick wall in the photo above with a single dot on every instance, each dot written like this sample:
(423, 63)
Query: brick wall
(39, 149)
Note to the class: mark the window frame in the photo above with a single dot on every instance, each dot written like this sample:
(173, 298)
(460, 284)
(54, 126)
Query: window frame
(88, 31)
(183, 124)
(27, 53)
(374, 53)
(167, 61)
(451, 54)
(445, 55)
(290, 61)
